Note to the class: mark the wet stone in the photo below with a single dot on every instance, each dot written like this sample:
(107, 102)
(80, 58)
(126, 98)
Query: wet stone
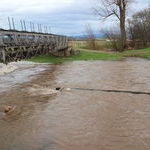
(7, 109)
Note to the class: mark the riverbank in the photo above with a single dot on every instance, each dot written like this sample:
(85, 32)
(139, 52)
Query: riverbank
(92, 55)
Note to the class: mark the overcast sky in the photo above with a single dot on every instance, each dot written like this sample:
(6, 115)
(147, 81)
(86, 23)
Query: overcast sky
(64, 16)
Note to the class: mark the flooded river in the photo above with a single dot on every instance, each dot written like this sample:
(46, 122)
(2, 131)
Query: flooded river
(74, 119)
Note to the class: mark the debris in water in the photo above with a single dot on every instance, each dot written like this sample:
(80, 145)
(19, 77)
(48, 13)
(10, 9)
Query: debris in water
(7, 109)
(68, 89)
(39, 90)
(58, 88)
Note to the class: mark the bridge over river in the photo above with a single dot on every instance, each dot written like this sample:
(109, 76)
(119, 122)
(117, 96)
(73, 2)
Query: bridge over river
(16, 45)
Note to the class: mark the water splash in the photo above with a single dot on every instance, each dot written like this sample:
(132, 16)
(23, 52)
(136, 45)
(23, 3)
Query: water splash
(4, 69)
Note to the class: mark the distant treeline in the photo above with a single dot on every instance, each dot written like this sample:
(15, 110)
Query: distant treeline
(137, 34)
(139, 29)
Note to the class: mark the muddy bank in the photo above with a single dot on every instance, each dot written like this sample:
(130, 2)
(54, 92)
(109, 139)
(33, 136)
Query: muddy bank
(44, 119)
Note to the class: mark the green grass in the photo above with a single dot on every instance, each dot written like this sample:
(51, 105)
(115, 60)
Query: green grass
(138, 53)
(134, 51)
(46, 59)
(83, 55)
(147, 56)
(90, 55)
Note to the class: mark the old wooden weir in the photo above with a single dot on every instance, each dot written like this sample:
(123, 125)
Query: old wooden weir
(17, 45)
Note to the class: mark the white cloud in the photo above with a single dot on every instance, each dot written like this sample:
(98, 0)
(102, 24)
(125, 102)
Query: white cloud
(33, 6)
(64, 16)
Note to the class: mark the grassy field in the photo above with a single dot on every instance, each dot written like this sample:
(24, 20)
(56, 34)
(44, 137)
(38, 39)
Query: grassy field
(92, 55)
(99, 43)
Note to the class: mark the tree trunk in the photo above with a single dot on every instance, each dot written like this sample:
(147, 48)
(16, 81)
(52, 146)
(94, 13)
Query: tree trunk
(123, 35)
(122, 26)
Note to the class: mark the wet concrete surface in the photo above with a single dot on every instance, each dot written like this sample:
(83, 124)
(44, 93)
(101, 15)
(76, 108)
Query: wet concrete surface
(43, 119)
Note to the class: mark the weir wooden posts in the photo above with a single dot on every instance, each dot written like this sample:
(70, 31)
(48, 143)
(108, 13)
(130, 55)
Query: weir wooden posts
(18, 45)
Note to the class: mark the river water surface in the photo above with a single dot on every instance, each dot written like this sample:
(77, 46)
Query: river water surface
(71, 119)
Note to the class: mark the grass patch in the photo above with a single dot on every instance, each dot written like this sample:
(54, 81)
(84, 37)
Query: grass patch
(83, 55)
(146, 55)
(143, 53)
(46, 59)
(91, 55)
(135, 51)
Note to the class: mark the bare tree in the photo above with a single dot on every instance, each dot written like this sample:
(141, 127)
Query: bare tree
(139, 28)
(113, 39)
(90, 36)
(116, 8)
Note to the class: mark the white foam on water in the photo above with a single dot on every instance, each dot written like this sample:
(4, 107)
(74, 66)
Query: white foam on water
(4, 69)
(18, 72)
(38, 90)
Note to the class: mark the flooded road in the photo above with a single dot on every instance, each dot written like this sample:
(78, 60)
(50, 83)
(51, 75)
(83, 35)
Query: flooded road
(71, 119)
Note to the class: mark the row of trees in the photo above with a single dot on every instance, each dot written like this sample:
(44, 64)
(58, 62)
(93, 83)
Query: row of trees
(138, 29)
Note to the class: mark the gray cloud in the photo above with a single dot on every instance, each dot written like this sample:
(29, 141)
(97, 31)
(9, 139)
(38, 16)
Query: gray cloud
(64, 16)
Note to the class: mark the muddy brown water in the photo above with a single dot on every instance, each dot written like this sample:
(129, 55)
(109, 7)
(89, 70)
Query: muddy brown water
(77, 120)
